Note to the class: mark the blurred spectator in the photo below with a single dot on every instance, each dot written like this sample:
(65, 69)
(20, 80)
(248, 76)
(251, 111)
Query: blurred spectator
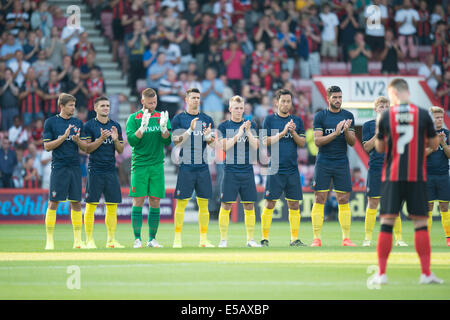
(14, 132)
(42, 19)
(33, 153)
(70, 35)
(123, 162)
(279, 58)
(289, 42)
(52, 89)
(172, 51)
(31, 179)
(390, 54)
(31, 95)
(157, 71)
(253, 91)
(330, 21)
(46, 163)
(119, 7)
(359, 53)
(331, 206)
(31, 48)
(37, 132)
(19, 169)
(214, 59)
(437, 15)
(42, 68)
(149, 57)
(203, 34)
(233, 59)
(132, 13)
(9, 102)
(226, 34)
(248, 112)
(59, 20)
(65, 72)
(266, 70)
(9, 49)
(54, 48)
(192, 15)
(262, 110)
(96, 88)
(310, 144)
(308, 49)
(439, 48)
(443, 91)
(82, 49)
(357, 180)
(178, 5)
(170, 94)
(184, 38)
(77, 87)
(406, 18)
(8, 161)
(376, 15)
(135, 44)
(150, 19)
(212, 90)
(19, 67)
(264, 32)
(17, 19)
(431, 72)
(169, 19)
(348, 27)
(90, 64)
(223, 10)
(257, 56)
(424, 26)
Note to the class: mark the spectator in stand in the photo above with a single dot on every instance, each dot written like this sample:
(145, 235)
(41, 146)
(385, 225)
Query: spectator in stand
(203, 35)
(54, 48)
(424, 26)
(157, 71)
(359, 53)
(42, 19)
(135, 45)
(431, 71)
(14, 131)
(158, 33)
(192, 15)
(8, 160)
(214, 59)
(264, 32)
(21, 37)
(177, 5)
(226, 34)
(289, 42)
(280, 82)
(169, 18)
(172, 51)
(123, 163)
(257, 56)
(308, 49)
(390, 54)
(357, 181)
(437, 15)
(33, 153)
(59, 20)
(52, 89)
(9, 49)
(17, 19)
(262, 110)
(376, 15)
(330, 21)
(37, 132)
(31, 178)
(150, 19)
(82, 49)
(96, 88)
(46, 163)
(65, 72)
(279, 58)
(266, 70)
(406, 19)
(443, 92)
(212, 89)
(251, 17)
(149, 57)
(170, 94)
(31, 96)
(77, 87)
(119, 7)
(192, 81)
(31, 48)
(223, 9)
(132, 13)
(348, 27)
(253, 91)
(42, 68)
(9, 103)
(90, 64)
(70, 35)
(233, 59)
(184, 38)
(439, 48)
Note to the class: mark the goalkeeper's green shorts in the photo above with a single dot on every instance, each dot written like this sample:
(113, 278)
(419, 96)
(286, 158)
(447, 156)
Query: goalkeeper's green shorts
(148, 181)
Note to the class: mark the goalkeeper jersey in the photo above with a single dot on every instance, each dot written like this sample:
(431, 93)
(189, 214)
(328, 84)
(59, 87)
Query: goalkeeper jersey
(149, 150)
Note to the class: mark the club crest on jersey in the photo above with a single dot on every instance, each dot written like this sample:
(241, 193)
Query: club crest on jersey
(53, 194)
(178, 192)
(267, 192)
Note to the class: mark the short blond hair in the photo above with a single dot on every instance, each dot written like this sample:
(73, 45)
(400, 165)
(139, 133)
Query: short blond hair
(381, 100)
(236, 99)
(65, 98)
(436, 109)
(148, 93)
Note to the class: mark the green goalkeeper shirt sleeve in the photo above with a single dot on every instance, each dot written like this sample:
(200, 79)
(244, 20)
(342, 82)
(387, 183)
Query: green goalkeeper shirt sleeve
(131, 128)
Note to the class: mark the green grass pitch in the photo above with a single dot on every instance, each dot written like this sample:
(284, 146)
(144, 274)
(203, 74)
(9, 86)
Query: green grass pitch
(278, 272)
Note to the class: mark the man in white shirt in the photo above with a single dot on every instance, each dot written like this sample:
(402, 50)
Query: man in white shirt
(70, 35)
(376, 16)
(19, 67)
(407, 19)
(329, 33)
(431, 72)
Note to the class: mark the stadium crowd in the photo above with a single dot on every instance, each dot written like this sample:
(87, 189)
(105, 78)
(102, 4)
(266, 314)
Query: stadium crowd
(223, 48)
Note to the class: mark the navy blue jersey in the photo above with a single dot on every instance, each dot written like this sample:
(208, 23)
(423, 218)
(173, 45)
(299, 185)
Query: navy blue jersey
(437, 162)
(238, 159)
(375, 159)
(103, 159)
(67, 153)
(326, 121)
(197, 145)
(287, 148)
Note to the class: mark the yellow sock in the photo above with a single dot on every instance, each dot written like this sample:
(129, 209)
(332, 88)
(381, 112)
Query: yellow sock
(294, 223)
(77, 223)
(111, 221)
(445, 218)
(266, 221)
(250, 220)
(430, 220)
(224, 221)
(317, 219)
(203, 217)
(89, 220)
(50, 220)
(179, 217)
(398, 228)
(369, 224)
(345, 219)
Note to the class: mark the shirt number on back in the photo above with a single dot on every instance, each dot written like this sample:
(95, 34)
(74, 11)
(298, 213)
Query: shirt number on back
(406, 132)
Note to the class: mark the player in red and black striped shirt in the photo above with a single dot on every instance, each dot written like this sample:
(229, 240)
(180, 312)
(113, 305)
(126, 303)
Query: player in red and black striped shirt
(31, 97)
(52, 89)
(405, 130)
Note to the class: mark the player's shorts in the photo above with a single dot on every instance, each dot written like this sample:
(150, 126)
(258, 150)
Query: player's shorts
(190, 179)
(289, 183)
(373, 187)
(103, 183)
(438, 187)
(239, 183)
(395, 193)
(148, 181)
(65, 184)
(338, 173)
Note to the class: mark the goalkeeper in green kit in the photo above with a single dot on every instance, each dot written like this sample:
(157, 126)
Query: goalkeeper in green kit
(148, 131)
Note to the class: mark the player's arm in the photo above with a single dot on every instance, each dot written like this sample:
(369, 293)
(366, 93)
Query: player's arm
(53, 144)
(269, 140)
(91, 146)
(81, 142)
(208, 136)
(228, 143)
(252, 140)
(298, 134)
(180, 139)
(349, 132)
(368, 143)
(380, 132)
(443, 144)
